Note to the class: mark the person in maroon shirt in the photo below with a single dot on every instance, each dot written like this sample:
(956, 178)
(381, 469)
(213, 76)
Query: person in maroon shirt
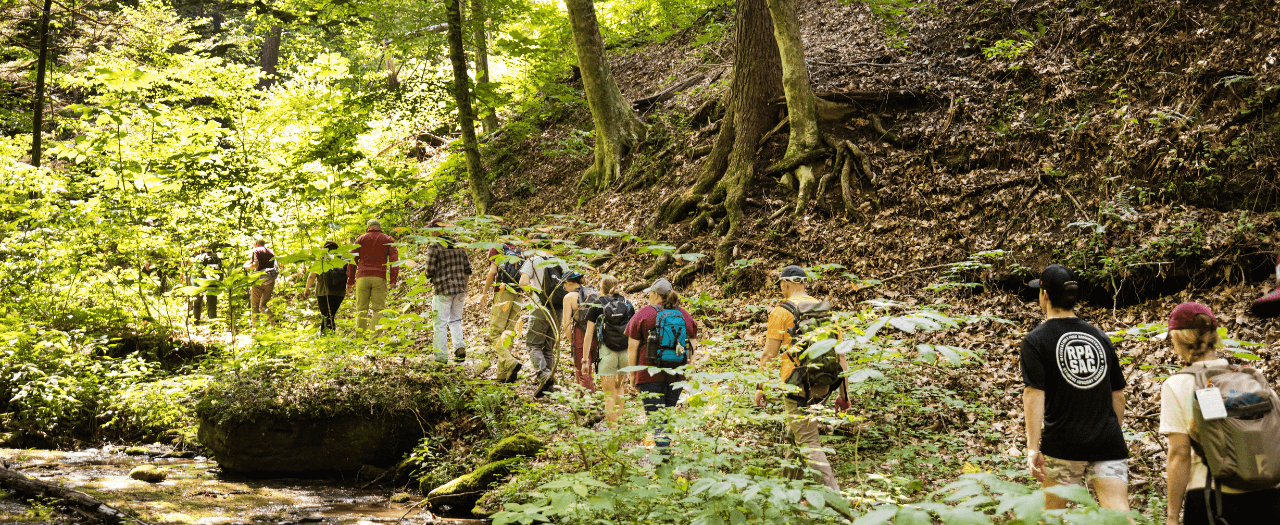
(261, 259)
(657, 389)
(368, 277)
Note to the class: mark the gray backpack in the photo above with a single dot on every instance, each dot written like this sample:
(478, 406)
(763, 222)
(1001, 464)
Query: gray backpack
(1242, 450)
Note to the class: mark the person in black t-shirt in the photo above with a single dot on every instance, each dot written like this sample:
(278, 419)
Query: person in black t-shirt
(1074, 386)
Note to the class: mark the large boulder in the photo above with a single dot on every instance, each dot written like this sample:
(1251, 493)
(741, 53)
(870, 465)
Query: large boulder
(515, 446)
(343, 443)
(460, 495)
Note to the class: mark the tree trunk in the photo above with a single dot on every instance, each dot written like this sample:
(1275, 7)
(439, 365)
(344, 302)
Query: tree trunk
(480, 33)
(618, 130)
(476, 177)
(730, 167)
(37, 105)
(270, 58)
(801, 104)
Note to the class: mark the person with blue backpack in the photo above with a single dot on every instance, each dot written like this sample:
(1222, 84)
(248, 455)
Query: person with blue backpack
(331, 289)
(661, 335)
(606, 326)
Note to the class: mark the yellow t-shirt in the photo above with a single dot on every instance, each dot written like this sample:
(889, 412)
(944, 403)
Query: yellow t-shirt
(780, 323)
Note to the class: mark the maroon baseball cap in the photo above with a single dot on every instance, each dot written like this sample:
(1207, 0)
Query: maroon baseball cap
(1184, 315)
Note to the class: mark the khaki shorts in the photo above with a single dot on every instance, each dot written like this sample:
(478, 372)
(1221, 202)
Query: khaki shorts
(611, 362)
(1067, 472)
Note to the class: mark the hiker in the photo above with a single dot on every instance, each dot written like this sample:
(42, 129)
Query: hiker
(606, 330)
(368, 277)
(549, 297)
(662, 335)
(577, 302)
(502, 282)
(1073, 398)
(261, 259)
(814, 385)
(448, 267)
(331, 289)
(1193, 332)
(1269, 304)
(207, 266)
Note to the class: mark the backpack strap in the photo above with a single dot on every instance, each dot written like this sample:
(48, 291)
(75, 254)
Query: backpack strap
(794, 310)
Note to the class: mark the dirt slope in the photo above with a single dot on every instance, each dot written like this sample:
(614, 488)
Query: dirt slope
(1134, 141)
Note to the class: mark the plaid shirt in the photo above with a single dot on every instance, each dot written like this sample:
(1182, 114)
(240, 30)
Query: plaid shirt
(448, 269)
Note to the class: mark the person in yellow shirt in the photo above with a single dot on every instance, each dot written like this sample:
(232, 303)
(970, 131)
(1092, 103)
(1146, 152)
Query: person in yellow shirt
(800, 424)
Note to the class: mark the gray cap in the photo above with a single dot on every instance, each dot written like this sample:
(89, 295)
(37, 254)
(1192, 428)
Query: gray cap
(794, 274)
(373, 224)
(660, 287)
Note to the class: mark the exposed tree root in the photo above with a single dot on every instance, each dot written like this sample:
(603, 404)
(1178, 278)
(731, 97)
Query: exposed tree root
(805, 159)
(35, 488)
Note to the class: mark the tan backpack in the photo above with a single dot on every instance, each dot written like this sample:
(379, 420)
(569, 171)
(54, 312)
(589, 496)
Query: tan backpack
(1241, 450)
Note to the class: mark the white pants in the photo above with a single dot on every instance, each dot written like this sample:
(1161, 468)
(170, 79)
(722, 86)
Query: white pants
(448, 320)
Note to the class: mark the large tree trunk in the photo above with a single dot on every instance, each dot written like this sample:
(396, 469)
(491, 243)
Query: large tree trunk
(618, 130)
(37, 105)
(801, 105)
(480, 33)
(270, 58)
(476, 177)
(730, 167)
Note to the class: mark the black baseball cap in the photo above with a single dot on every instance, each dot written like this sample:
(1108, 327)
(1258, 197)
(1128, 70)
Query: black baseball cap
(794, 274)
(1054, 280)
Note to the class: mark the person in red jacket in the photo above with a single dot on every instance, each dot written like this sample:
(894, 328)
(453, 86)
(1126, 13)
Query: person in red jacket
(368, 277)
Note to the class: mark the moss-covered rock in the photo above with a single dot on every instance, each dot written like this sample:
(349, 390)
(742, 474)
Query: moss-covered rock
(149, 473)
(135, 451)
(461, 494)
(516, 446)
(400, 497)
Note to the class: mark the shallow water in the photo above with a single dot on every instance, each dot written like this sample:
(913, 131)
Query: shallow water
(197, 492)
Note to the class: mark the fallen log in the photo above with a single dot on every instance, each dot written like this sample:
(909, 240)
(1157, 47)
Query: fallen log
(642, 104)
(20, 484)
(866, 97)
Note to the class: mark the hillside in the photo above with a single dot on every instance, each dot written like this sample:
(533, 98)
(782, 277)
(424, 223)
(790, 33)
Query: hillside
(1139, 151)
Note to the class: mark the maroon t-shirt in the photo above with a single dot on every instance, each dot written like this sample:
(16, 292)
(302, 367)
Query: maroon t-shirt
(641, 324)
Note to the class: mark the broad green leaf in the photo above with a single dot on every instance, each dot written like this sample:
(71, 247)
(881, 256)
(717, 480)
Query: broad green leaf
(880, 516)
(815, 498)
(964, 516)
(1029, 508)
(911, 516)
(1075, 493)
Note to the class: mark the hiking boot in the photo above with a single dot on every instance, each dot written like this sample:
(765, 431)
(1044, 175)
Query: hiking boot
(481, 367)
(460, 353)
(507, 373)
(546, 382)
(442, 357)
(594, 417)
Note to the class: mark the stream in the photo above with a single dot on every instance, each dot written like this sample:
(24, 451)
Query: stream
(197, 492)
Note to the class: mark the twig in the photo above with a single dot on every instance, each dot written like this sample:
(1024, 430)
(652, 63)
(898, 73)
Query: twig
(414, 506)
(771, 132)
(895, 64)
(903, 274)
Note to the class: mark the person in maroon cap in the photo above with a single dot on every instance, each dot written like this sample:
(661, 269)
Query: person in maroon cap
(1075, 388)
(368, 277)
(1193, 330)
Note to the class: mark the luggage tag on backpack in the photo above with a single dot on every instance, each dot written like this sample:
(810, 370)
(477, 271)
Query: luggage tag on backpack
(1211, 406)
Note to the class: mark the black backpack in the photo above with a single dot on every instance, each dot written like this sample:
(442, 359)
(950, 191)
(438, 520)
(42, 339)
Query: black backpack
(615, 312)
(553, 293)
(822, 369)
(336, 280)
(588, 296)
(509, 270)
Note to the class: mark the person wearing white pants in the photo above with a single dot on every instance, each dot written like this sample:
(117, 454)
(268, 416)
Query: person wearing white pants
(447, 312)
(448, 268)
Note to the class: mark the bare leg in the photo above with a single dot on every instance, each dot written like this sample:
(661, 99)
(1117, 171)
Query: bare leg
(1112, 493)
(1051, 501)
(612, 399)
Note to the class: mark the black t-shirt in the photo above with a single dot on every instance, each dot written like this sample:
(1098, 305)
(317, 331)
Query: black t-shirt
(1075, 365)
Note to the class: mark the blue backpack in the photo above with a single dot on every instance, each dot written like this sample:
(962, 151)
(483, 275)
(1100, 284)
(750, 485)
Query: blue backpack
(668, 342)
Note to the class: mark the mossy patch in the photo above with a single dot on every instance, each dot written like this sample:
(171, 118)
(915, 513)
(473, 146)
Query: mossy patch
(515, 446)
(465, 490)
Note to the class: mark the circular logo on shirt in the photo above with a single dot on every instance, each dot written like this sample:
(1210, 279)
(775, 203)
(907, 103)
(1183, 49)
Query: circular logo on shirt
(1081, 360)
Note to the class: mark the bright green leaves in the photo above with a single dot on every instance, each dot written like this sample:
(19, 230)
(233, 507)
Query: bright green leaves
(320, 260)
(124, 79)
